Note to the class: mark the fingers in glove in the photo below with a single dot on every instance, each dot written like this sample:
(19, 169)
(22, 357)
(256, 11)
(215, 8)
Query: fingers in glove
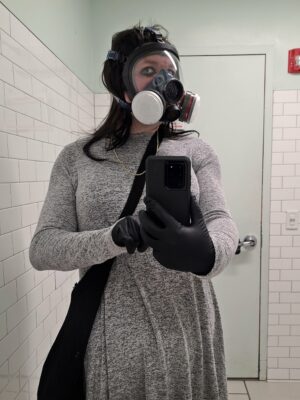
(149, 240)
(167, 219)
(142, 246)
(149, 225)
(130, 245)
(196, 213)
(133, 228)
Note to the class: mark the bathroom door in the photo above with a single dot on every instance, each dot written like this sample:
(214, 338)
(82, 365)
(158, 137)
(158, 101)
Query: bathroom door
(231, 119)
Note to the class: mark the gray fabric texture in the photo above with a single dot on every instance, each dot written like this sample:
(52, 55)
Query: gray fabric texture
(158, 333)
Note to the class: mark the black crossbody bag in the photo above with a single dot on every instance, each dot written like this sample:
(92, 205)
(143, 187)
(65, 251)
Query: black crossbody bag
(62, 376)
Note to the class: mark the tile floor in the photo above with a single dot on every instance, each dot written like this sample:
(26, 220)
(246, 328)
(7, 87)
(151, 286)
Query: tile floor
(262, 390)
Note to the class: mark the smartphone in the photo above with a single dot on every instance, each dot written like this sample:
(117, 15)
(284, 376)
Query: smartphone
(168, 181)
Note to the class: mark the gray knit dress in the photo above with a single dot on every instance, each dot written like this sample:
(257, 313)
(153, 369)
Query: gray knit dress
(157, 334)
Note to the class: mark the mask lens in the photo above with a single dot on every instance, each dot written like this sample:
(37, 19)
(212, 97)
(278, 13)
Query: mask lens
(147, 66)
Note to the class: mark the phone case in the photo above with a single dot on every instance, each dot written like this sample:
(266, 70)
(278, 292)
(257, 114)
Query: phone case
(175, 200)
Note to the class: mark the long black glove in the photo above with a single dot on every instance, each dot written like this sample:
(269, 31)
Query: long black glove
(175, 246)
(126, 233)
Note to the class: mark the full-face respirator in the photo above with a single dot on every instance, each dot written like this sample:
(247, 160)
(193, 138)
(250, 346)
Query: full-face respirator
(153, 80)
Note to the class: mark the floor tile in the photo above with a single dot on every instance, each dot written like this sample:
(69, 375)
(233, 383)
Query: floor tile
(261, 390)
(236, 387)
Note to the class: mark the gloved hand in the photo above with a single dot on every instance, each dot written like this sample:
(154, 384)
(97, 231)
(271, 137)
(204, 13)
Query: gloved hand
(126, 233)
(175, 246)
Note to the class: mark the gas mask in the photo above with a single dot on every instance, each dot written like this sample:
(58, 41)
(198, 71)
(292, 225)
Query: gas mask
(164, 100)
(153, 80)
(158, 100)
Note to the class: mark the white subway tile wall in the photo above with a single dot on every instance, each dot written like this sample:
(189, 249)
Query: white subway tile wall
(284, 264)
(102, 104)
(43, 107)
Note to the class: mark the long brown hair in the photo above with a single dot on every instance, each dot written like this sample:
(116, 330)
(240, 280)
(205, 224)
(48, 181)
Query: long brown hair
(117, 123)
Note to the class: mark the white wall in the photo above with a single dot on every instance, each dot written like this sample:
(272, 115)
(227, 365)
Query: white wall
(64, 26)
(197, 26)
(43, 106)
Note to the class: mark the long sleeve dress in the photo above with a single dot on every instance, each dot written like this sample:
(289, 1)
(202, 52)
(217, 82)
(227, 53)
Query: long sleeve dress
(157, 334)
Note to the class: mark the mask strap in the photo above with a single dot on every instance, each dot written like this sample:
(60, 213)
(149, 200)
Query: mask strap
(115, 56)
(155, 34)
(123, 104)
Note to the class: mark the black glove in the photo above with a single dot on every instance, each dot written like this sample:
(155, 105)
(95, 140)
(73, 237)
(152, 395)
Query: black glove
(175, 246)
(126, 233)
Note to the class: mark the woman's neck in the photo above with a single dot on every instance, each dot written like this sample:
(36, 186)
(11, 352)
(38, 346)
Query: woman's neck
(137, 127)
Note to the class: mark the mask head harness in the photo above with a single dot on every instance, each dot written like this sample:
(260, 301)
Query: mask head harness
(151, 75)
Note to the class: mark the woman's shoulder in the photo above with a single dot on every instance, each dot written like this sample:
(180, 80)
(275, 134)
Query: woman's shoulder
(70, 151)
(74, 150)
(71, 154)
(198, 147)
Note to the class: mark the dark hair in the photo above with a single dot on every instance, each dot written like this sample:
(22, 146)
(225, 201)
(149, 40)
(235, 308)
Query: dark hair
(116, 125)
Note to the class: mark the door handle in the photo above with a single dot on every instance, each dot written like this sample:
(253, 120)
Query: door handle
(249, 242)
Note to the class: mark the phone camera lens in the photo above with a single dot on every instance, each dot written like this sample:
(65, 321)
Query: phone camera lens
(174, 175)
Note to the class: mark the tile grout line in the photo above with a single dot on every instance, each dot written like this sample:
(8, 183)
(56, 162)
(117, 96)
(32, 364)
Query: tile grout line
(43, 102)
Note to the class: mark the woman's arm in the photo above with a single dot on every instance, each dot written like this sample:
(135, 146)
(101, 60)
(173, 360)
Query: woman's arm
(56, 244)
(221, 227)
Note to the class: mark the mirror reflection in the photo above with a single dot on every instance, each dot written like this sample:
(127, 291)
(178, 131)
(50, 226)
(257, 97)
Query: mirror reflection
(139, 174)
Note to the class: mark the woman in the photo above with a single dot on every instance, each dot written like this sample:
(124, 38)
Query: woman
(157, 333)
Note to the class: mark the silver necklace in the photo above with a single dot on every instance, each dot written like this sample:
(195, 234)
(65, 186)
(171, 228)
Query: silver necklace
(126, 165)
